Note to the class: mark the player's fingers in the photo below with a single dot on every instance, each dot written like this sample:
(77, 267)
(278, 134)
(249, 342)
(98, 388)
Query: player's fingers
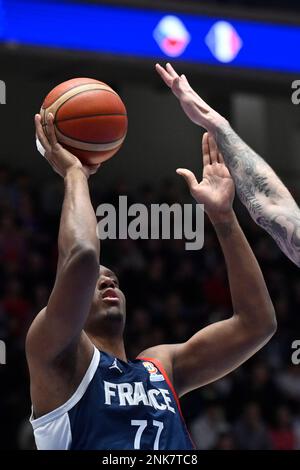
(50, 129)
(171, 71)
(164, 75)
(189, 177)
(176, 85)
(185, 80)
(205, 150)
(213, 149)
(40, 133)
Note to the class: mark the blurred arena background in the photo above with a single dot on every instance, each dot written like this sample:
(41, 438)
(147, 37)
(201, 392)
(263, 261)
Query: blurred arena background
(171, 292)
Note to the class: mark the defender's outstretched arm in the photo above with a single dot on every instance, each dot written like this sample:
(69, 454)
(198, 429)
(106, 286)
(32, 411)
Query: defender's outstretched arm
(267, 199)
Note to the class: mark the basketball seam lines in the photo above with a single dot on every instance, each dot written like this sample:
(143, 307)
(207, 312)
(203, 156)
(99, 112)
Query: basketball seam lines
(89, 116)
(91, 151)
(85, 141)
(88, 142)
(77, 86)
(83, 91)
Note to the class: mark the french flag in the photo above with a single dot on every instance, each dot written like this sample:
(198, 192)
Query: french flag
(223, 41)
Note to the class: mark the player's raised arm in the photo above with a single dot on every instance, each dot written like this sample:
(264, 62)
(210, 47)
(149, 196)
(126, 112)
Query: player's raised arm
(267, 199)
(58, 326)
(223, 346)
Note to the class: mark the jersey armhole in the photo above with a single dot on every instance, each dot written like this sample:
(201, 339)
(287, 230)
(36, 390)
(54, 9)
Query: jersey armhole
(73, 400)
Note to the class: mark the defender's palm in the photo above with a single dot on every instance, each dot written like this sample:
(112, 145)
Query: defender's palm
(216, 190)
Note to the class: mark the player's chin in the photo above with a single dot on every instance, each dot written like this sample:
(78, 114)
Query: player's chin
(114, 312)
(106, 315)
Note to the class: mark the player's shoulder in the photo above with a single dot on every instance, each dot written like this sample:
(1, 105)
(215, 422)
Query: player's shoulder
(163, 354)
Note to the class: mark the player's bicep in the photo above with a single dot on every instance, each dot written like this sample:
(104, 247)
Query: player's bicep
(213, 352)
(60, 324)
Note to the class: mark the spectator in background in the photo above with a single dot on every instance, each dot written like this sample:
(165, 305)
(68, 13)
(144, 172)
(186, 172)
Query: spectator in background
(250, 431)
(225, 442)
(17, 308)
(257, 386)
(282, 434)
(288, 381)
(5, 189)
(207, 428)
(296, 428)
(12, 241)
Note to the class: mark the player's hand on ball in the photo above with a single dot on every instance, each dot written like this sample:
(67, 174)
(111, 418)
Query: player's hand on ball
(59, 158)
(193, 105)
(216, 190)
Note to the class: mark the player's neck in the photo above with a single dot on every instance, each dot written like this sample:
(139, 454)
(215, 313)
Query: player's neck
(111, 346)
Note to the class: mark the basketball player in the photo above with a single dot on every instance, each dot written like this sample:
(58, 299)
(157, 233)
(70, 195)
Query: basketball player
(267, 199)
(85, 392)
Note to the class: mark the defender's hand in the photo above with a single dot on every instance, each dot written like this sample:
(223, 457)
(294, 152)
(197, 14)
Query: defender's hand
(194, 107)
(216, 190)
(59, 158)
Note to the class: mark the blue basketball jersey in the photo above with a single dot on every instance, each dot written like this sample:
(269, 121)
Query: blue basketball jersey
(118, 405)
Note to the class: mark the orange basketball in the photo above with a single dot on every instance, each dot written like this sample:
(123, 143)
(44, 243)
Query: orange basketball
(90, 118)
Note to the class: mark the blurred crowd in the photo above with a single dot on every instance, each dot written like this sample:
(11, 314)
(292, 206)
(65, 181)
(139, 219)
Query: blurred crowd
(171, 293)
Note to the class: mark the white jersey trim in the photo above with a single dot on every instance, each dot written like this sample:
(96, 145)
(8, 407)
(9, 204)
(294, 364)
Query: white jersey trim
(56, 435)
(77, 395)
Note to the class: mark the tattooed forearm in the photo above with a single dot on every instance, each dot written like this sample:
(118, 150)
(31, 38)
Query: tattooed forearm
(284, 227)
(242, 162)
(262, 192)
